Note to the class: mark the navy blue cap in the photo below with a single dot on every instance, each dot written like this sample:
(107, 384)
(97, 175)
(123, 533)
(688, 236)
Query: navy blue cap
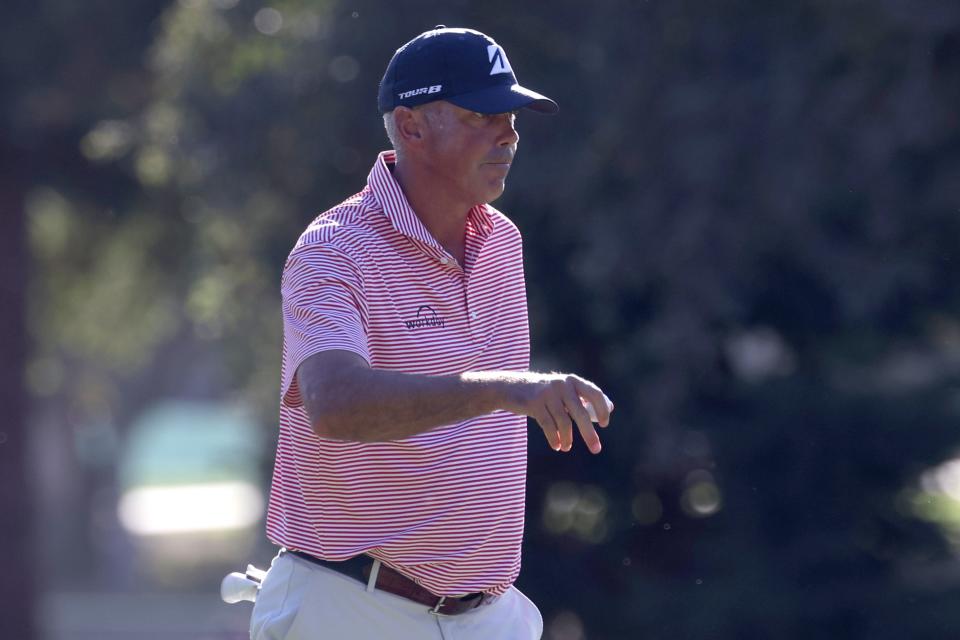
(461, 66)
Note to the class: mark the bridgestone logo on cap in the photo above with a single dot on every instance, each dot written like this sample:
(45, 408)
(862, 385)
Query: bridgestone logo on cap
(416, 92)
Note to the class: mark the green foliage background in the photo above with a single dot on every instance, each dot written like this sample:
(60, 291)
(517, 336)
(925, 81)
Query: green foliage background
(744, 223)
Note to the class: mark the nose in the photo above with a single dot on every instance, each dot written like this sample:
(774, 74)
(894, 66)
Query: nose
(509, 135)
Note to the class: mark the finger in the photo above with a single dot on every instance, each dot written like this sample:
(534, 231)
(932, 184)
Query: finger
(577, 411)
(592, 394)
(548, 426)
(593, 412)
(562, 420)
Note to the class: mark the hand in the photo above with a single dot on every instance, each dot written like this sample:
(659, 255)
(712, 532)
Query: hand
(557, 401)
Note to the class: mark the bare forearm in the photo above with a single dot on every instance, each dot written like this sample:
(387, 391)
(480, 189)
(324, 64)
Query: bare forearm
(348, 400)
(375, 405)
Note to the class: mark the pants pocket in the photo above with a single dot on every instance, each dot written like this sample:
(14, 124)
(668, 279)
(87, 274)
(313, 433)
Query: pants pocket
(280, 600)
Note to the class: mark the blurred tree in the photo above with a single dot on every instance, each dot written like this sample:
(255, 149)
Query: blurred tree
(54, 199)
(18, 584)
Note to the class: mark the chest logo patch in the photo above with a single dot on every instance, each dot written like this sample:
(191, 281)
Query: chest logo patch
(426, 317)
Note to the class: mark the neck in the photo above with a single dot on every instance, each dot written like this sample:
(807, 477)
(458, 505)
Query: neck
(441, 211)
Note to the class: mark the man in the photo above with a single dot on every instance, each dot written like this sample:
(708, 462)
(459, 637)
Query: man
(398, 490)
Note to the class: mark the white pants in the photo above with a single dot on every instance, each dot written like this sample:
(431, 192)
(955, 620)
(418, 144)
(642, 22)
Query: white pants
(300, 600)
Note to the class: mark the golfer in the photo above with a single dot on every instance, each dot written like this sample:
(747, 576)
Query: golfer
(398, 491)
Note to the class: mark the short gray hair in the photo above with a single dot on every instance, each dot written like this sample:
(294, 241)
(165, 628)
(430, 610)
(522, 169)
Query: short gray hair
(390, 122)
(391, 127)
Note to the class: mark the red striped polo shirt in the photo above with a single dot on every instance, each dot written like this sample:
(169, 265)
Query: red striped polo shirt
(444, 507)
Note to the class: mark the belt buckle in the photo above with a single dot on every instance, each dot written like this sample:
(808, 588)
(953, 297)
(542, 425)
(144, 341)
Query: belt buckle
(436, 608)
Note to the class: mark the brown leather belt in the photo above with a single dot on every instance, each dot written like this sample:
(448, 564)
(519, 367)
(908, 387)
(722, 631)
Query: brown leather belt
(392, 581)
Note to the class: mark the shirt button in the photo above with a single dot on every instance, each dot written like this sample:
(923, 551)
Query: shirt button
(473, 315)
(444, 260)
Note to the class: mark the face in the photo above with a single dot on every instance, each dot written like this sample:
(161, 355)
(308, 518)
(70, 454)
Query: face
(469, 153)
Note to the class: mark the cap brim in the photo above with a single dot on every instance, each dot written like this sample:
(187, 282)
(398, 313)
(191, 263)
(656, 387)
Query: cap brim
(504, 98)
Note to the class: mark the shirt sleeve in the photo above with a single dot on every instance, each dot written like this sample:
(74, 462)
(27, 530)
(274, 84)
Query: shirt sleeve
(324, 308)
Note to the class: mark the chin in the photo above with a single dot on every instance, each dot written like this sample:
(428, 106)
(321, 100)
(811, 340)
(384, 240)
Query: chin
(495, 193)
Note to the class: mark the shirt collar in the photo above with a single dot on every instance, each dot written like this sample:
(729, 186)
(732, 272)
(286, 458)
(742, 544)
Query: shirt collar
(398, 210)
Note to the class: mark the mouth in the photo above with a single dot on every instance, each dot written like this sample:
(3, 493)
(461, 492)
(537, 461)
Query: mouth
(500, 161)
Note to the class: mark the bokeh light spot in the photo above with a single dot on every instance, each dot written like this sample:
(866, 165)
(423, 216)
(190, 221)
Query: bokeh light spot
(701, 499)
(344, 68)
(108, 140)
(565, 625)
(268, 21)
(153, 166)
(576, 510)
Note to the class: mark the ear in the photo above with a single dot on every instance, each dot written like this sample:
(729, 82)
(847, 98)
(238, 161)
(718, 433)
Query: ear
(410, 126)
